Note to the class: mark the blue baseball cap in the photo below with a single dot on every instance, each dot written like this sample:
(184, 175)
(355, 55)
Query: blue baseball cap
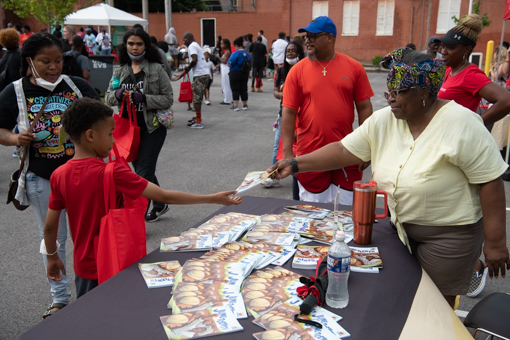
(320, 24)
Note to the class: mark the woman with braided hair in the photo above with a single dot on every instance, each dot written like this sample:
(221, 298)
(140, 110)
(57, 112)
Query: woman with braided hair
(444, 185)
(464, 82)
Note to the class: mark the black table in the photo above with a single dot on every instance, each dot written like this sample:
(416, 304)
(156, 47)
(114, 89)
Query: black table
(397, 302)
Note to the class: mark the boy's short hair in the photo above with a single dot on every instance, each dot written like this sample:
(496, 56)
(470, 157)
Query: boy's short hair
(83, 114)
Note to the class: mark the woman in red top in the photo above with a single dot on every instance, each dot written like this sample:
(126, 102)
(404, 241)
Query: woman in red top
(464, 82)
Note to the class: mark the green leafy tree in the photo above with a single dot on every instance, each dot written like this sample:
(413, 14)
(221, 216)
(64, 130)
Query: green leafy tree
(47, 12)
(476, 10)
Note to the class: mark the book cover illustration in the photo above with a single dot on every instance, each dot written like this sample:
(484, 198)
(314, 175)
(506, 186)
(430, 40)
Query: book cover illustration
(307, 257)
(278, 219)
(286, 254)
(186, 243)
(199, 324)
(210, 271)
(282, 317)
(365, 259)
(312, 211)
(279, 239)
(159, 274)
(184, 300)
(251, 180)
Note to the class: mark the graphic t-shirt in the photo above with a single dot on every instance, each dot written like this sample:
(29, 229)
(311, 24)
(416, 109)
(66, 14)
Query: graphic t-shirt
(128, 85)
(78, 187)
(463, 87)
(52, 146)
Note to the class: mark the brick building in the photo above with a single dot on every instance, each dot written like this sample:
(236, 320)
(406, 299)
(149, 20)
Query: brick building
(366, 28)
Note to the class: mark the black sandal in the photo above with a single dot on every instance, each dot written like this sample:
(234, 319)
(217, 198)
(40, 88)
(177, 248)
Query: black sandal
(50, 312)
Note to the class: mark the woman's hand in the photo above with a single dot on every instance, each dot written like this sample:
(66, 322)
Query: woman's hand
(24, 138)
(136, 97)
(225, 199)
(120, 94)
(496, 258)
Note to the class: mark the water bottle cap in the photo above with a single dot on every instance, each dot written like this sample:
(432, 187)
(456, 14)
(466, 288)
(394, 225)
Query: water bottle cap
(340, 235)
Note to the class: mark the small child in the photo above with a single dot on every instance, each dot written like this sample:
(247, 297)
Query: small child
(270, 65)
(210, 66)
(78, 187)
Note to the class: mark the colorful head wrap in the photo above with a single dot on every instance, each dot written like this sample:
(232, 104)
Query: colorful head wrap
(427, 74)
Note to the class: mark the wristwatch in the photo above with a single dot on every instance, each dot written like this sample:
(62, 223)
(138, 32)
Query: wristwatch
(295, 168)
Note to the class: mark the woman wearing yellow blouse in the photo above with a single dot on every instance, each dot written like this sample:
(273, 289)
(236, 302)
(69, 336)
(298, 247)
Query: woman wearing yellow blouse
(440, 167)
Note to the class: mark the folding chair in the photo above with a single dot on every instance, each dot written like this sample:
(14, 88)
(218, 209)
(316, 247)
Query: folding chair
(491, 315)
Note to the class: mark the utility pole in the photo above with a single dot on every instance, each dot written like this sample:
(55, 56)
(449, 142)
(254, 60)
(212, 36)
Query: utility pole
(110, 3)
(168, 14)
(145, 13)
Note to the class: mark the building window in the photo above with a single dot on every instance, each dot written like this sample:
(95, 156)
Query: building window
(350, 23)
(385, 12)
(319, 8)
(447, 9)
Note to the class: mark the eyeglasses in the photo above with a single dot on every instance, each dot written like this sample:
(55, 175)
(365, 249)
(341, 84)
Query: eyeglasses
(395, 93)
(312, 38)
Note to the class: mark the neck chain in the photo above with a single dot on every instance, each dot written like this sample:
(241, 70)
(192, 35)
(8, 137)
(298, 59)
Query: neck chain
(458, 71)
(324, 71)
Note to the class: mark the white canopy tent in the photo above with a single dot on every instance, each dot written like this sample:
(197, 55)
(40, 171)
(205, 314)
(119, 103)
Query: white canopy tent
(103, 15)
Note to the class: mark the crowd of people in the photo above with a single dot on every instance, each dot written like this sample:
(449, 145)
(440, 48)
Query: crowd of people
(428, 149)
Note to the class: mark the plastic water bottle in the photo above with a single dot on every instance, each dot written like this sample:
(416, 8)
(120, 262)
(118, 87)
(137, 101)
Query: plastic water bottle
(339, 265)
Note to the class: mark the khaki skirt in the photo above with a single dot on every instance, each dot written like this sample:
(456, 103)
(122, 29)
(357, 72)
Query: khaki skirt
(447, 253)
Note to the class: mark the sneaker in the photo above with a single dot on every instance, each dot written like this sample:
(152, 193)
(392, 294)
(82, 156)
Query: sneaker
(190, 109)
(191, 122)
(196, 126)
(245, 107)
(207, 102)
(235, 108)
(193, 119)
(154, 215)
(252, 89)
(271, 183)
(223, 103)
(259, 90)
(478, 281)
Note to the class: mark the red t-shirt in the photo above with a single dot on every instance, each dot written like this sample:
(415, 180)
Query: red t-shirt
(463, 87)
(326, 112)
(23, 37)
(78, 187)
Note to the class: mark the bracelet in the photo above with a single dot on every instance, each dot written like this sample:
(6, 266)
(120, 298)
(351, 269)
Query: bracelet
(42, 248)
(294, 165)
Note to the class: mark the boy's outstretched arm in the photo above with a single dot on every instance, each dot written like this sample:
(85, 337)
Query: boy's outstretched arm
(155, 193)
(55, 265)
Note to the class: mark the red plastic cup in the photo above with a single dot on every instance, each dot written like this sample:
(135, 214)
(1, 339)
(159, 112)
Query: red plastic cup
(363, 210)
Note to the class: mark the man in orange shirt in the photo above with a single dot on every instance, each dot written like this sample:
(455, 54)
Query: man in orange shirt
(321, 92)
(26, 34)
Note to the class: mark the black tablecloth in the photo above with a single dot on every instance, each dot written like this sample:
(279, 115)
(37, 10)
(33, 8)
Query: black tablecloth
(124, 308)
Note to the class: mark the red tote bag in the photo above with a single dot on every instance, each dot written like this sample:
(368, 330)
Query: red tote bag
(127, 132)
(185, 94)
(122, 237)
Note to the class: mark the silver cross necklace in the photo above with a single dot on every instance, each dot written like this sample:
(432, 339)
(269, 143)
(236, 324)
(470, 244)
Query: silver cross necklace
(324, 71)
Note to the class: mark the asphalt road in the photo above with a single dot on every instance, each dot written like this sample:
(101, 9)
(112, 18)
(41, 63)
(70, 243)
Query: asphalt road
(199, 161)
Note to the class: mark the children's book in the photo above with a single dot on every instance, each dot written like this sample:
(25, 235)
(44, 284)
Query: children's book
(365, 259)
(282, 317)
(325, 239)
(159, 274)
(306, 257)
(200, 324)
(196, 270)
(278, 219)
(278, 239)
(251, 180)
(286, 253)
(310, 210)
(186, 243)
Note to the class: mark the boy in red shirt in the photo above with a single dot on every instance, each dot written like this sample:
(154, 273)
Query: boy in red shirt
(78, 187)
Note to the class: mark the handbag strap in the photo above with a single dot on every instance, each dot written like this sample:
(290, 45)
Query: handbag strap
(133, 78)
(32, 126)
(131, 110)
(109, 187)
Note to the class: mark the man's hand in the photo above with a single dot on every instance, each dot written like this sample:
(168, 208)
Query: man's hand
(24, 138)
(55, 266)
(225, 199)
(496, 258)
(284, 169)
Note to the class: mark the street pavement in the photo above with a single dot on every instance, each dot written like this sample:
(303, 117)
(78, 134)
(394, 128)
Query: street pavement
(198, 161)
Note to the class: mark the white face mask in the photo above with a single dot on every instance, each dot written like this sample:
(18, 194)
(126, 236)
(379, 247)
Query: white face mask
(292, 61)
(44, 83)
